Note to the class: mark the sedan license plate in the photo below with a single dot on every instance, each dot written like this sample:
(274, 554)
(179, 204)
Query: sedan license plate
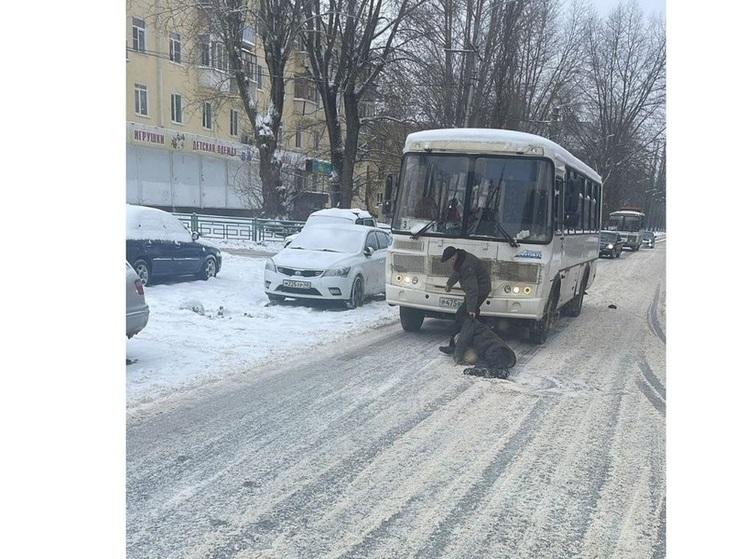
(450, 302)
(296, 284)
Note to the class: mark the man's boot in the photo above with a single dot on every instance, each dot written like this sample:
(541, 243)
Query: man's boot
(450, 348)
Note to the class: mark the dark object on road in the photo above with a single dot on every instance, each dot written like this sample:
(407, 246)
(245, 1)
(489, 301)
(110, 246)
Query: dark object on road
(478, 345)
(612, 306)
(474, 278)
(611, 244)
(487, 372)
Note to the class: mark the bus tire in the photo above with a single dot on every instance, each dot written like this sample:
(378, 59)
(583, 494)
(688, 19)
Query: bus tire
(575, 305)
(411, 319)
(539, 330)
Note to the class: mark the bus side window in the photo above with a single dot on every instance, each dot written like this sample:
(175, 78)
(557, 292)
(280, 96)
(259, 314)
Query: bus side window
(588, 206)
(558, 199)
(570, 203)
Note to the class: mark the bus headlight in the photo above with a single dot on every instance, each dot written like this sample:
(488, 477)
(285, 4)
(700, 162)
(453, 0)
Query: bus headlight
(507, 289)
(414, 280)
(516, 290)
(527, 290)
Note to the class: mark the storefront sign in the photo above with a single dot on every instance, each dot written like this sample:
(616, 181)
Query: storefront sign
(149, 137)
(185, 142)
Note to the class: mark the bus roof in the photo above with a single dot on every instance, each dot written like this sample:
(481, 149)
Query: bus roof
(631, 213)
(491, 140)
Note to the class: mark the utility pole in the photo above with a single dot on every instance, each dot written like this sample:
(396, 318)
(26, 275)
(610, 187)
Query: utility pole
(469, 81)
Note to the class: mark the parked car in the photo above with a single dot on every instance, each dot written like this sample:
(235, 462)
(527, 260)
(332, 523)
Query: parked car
(611, 244)
(138, 311)
(336, 215)
(648, 239)
(159, 246)
(335, 261)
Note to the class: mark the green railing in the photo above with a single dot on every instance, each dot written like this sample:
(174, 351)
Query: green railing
(239, 228)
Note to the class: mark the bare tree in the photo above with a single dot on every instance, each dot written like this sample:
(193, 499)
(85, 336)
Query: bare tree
(623, 99)
(220, 29)
(349, 42)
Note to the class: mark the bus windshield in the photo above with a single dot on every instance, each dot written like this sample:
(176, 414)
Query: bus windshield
(630, 223)
(471, 196)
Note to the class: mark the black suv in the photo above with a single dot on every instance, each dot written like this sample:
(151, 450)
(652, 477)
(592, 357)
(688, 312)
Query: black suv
(159, 246)
(611, 244)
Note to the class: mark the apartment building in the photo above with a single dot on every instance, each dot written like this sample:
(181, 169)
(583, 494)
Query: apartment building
(189, 142)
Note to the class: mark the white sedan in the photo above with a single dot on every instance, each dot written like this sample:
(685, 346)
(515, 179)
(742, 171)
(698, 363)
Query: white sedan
(341, 262)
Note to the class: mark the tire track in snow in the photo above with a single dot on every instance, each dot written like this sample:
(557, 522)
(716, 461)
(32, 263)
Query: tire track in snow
(647, 372)
(467, 505)
(653, 316)
(321, 492)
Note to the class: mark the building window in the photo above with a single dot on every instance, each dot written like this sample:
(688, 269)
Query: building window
(299, 138)
(204, 50)
(259, 76)
(141, 100)
(248, 35)
(305, 89)
(251, 66)
(174, 47)
(219, 56)
(207, 115)
(138, 34)
(316, 140)
(234, 123)
(176, 113)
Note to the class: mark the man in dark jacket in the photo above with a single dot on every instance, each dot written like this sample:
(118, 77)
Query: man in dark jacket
(478, 345)
(474, 278)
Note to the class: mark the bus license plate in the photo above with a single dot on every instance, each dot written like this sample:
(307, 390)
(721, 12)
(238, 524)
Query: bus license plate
(296, 284)
(450, 302)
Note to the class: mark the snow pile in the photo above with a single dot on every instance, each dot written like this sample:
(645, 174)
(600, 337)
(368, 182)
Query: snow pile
(235, 330)
(269, 245)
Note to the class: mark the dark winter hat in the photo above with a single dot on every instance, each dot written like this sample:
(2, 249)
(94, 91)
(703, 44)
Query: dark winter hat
(448, 254)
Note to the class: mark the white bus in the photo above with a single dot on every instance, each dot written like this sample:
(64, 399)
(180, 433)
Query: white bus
(523, 204)
(628, 222)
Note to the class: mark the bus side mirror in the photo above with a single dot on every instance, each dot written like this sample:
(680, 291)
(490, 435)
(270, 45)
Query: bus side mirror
(387, 195)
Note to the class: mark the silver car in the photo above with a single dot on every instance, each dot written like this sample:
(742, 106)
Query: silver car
(137, 309)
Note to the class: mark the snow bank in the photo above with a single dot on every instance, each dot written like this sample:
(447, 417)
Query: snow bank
(180, 348)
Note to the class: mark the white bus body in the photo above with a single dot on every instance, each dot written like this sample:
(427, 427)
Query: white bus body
(629, 224)
(541, 195)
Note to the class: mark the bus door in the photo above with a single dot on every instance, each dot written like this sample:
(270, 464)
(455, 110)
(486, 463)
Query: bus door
(558, 244)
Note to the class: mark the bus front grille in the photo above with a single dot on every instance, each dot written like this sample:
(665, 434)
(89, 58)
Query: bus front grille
(408, 263)
(405, 244)
(444, 269)
(517, 271)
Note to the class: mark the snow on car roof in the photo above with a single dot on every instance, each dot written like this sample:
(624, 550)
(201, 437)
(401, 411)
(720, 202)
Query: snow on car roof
(490, 140)
(343, 212)
(150, 223)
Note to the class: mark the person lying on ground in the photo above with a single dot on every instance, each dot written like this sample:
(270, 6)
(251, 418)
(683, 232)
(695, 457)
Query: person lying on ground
(478, 345)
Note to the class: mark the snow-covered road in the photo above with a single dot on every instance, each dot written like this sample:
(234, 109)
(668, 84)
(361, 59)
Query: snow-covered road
(382, 448)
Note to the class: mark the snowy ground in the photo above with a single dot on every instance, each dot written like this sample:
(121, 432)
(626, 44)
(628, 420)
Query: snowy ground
(180, 348)
(380, 447)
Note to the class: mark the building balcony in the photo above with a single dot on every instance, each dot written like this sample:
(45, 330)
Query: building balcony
(212, 78)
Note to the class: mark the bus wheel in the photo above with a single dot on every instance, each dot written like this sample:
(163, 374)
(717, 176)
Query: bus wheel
(538, 332)
(411, 319)
(574, 307)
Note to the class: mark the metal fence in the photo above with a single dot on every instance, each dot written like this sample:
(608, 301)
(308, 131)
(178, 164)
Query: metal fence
(239, 228)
